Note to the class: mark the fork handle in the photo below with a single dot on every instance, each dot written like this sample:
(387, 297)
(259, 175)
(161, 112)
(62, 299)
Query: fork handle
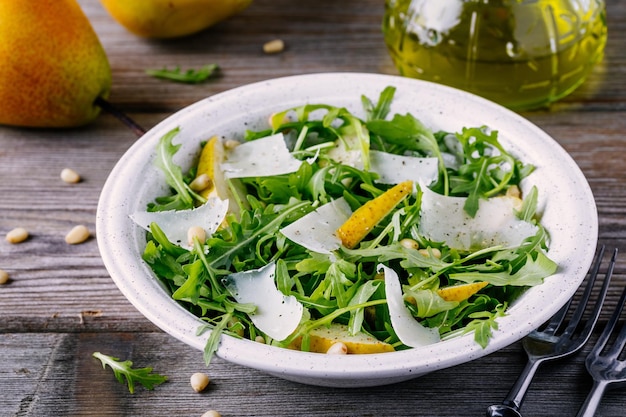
(589, 407)
(516, 395)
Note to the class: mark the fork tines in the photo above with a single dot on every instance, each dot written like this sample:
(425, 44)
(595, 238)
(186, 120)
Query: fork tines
(612, 354)
(603, 363)
(568, 341)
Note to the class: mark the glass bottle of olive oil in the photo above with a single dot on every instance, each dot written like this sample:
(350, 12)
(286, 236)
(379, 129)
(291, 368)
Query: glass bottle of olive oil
(522, 54)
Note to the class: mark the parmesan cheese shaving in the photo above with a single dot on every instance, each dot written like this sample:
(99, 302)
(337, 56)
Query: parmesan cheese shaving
(444, 220)
(175, 223)
(277, 315)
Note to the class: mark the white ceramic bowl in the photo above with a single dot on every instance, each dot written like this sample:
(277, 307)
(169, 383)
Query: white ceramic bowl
(569, 213)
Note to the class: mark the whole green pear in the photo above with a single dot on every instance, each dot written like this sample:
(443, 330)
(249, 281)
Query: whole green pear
(53, 64)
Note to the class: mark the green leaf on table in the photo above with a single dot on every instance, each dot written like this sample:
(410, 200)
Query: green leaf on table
(190, 76)
(124, 370)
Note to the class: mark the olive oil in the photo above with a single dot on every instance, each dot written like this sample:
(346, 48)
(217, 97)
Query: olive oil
(522, 54)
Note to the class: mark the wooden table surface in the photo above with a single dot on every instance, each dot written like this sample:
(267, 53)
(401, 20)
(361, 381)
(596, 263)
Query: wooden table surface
(60, 305)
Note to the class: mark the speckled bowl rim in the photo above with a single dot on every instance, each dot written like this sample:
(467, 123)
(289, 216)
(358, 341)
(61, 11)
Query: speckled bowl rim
(569, 213)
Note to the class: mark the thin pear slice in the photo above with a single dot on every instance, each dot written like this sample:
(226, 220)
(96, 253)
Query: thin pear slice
(371, 213)
(461, 292)
(211, 157)
(322, 338)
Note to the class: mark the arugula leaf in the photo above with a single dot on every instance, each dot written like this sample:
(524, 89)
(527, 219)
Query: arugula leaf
(164, 265)
(316, 263)
(223, 251)
(183, 197)
(190, 290)
(532, 273)
(487, 168)
(168, 247)
(381, 109)
(529, 205)
(407, 131)
(362, 295)
(484, 323)
(121, 370)
(410, 134)
(337, 125)
(213, 341)
(338, 278)
(428, 303)
(191, 76)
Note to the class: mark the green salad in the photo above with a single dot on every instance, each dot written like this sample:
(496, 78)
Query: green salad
(326, 229)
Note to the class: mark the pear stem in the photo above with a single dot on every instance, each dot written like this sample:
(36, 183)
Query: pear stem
(117, 113)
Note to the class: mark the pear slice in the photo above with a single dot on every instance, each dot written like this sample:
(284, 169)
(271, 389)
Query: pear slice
(322, 338)
(211, 157)
(461, 292)
(363, 220)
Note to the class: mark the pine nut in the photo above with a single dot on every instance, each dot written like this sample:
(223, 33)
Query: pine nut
(436, 252)
(260, 339)
(514, 191)
(409, 243)
(17, 235)
(199, 381)
(78, 234)
(235, 326)
(201, 182)
(4, 277)
(231, 144)
(211, 413)
(337, 348)
(70, 176)
(274, 47)
(195, 232)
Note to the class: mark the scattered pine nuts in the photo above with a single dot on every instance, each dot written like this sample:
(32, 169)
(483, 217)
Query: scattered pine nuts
(337, 348)
(196, 232)
(199, 381)
(78, 234)
(274, 47)
(211, 413)
(17, 235)
(70, 176)
(201, 182)
(4, 276)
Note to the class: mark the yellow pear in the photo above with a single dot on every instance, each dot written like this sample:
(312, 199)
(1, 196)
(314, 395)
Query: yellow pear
(171, 18)
(53, 65)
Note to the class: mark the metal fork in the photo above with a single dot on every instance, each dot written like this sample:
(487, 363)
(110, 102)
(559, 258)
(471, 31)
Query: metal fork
(605, 369)
(544, 344)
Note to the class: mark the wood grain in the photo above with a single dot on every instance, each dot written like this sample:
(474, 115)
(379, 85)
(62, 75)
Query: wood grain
(61, 305)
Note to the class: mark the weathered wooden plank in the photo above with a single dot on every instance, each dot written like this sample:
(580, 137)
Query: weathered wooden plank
(61, 305)
(55, 374)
